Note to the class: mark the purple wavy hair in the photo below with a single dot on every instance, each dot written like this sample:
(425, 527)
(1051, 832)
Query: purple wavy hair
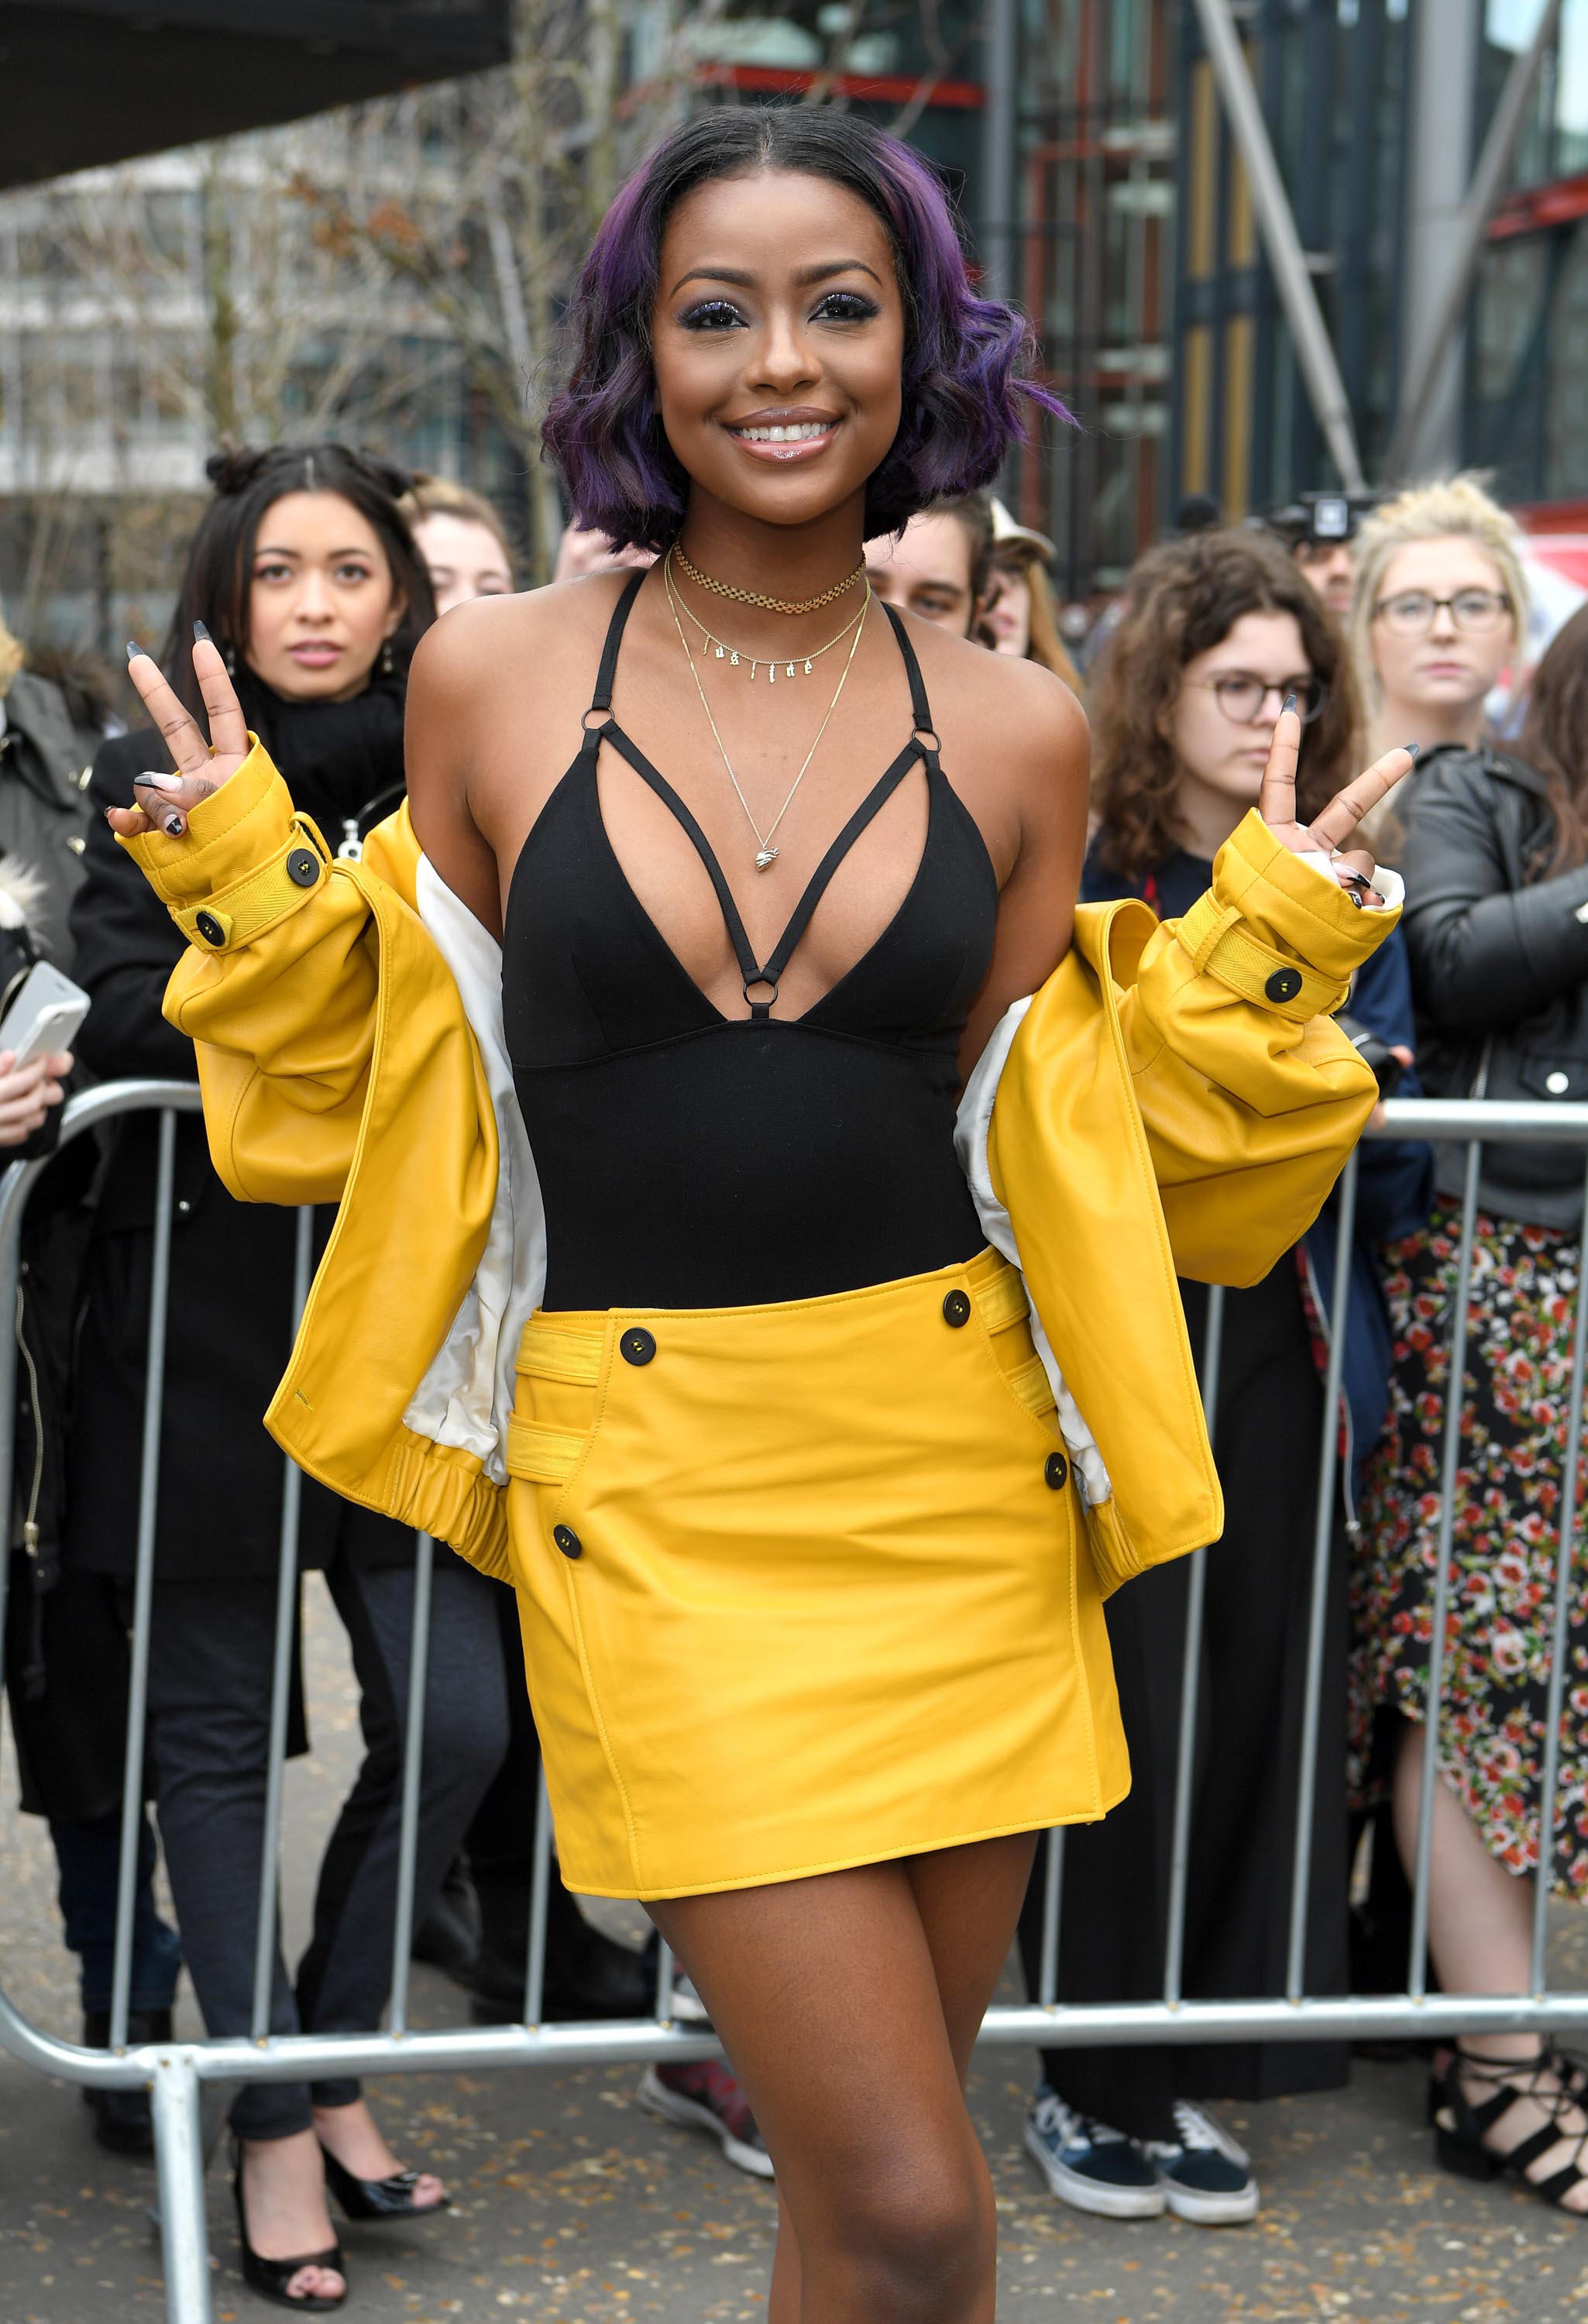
(967, 360)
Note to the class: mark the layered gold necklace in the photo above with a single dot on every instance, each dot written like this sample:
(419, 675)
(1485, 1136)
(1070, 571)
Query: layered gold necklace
(766, 854)
(734, 656)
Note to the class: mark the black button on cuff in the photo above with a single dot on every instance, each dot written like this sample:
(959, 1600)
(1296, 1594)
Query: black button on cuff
(567, 1541)
(209, 928)
(1284, 984)
(636, 1346)
(1055, 1472)
(956, 1309)
(303, 867)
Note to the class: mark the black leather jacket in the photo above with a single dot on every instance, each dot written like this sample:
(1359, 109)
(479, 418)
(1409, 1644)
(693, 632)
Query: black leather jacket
(1499, 966)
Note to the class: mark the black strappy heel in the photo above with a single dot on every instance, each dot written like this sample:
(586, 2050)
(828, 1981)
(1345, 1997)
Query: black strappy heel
(369, 2200)
(271, 2277)
(1551, 2079)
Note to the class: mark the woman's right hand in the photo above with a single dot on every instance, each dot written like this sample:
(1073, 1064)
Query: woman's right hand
(167, 800)
(28, 1092)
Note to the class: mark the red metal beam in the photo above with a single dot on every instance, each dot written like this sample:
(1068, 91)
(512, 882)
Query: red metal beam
(1539, 207)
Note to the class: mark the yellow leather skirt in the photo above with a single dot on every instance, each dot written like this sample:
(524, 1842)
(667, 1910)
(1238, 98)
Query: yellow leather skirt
(803, 1586)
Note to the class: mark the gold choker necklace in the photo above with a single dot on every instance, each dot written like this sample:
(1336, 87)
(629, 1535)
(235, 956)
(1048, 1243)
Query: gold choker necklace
(755, 597)
(735, 656)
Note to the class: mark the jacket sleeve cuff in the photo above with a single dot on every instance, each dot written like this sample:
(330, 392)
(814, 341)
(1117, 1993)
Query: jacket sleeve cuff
(245, 863)
(1275, 931)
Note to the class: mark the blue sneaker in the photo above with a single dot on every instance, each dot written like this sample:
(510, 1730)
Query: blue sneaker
(1090, 2166)
(1207, 2174)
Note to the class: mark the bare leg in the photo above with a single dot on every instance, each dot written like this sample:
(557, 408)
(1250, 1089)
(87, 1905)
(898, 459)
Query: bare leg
(849, 2006)
(349, 2132)
(1480, 1935)
(284, 2208)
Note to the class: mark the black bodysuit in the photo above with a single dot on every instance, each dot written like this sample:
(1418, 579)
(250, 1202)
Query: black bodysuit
(689, 1159)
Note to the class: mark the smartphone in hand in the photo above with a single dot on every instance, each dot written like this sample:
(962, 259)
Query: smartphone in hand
(44, 1015)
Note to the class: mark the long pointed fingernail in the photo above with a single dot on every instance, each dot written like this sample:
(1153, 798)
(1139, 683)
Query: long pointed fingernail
(1290, 702)
(201, 634)
(159, 782)
(134, 649)
(1411, 749)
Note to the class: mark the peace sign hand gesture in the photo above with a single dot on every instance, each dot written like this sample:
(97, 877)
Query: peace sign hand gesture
(165, 802)
(1327, 832)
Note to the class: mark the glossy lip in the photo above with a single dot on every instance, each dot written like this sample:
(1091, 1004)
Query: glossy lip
(315, 654)
(789, 415)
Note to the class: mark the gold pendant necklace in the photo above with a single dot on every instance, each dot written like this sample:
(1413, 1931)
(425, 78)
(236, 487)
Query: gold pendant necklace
(735, 658)
(766, 852)
(756, 597)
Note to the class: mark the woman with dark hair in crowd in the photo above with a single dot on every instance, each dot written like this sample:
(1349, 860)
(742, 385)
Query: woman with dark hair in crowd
(304, 574)
(1219, 629)
(813, 1641)
(1496, 857)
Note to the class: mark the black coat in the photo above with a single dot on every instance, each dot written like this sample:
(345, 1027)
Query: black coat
(1499, 952)
(230, 1327)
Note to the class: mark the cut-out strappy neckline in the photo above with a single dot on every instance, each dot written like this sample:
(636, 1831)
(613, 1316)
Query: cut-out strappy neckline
(764, 975)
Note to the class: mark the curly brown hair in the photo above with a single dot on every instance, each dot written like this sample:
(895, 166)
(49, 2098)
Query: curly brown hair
(1184, 598)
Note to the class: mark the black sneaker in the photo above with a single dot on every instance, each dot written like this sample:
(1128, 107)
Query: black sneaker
(1090, 2166)
(1207, 2174)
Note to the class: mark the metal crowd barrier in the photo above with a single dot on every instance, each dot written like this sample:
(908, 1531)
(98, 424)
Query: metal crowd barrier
(175, 2072)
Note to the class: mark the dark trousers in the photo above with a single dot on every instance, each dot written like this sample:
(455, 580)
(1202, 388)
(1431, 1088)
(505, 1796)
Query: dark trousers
(88, 1857)
(1116, 1873)
(211, 1646)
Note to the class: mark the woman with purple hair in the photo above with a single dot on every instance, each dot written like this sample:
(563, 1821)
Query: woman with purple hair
(640, 1076)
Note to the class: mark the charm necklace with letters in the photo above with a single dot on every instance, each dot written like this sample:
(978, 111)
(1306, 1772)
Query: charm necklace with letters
(734, 655)
(766, 852)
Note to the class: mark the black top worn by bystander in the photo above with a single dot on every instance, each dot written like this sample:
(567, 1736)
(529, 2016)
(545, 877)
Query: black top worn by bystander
(231, 1263)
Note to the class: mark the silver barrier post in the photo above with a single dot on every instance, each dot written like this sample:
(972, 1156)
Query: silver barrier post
(12, 1188)
(132, 1796)
(1174, 1953)
(540, 1904)
(1322, 1560)
(1417, 1974)
(1560, 1642)
(413, 1747)
(1052, 1899)
(179, 2162)
(265, 1932)
(664, 1981)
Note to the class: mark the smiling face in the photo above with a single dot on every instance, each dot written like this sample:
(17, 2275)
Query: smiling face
(1447, 672)
(321, 599)
(1220, 760)
(778, 343)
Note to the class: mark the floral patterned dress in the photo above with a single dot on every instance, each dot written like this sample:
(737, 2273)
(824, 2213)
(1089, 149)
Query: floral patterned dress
(1499, 1631)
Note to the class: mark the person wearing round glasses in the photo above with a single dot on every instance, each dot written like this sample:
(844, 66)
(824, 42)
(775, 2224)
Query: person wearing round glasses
(1437, 610)
(1219, 628)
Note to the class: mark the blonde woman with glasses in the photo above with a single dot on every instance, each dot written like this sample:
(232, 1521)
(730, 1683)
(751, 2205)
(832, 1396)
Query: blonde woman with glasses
(1438, 611)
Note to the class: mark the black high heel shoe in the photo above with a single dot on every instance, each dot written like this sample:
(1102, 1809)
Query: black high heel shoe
(271, 2277)
(1551, 2079)
(370, 2200)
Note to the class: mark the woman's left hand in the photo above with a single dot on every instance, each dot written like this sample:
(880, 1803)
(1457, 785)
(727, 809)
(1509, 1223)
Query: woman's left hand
(1329, 830)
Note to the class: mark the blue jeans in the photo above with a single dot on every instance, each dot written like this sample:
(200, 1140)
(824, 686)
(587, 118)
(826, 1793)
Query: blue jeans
(87, 1856)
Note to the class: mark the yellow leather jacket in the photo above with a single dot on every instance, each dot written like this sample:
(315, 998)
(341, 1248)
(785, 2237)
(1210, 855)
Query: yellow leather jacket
(1175, 1100)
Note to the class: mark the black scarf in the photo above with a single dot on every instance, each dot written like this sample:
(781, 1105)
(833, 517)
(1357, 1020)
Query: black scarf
(343, 760)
